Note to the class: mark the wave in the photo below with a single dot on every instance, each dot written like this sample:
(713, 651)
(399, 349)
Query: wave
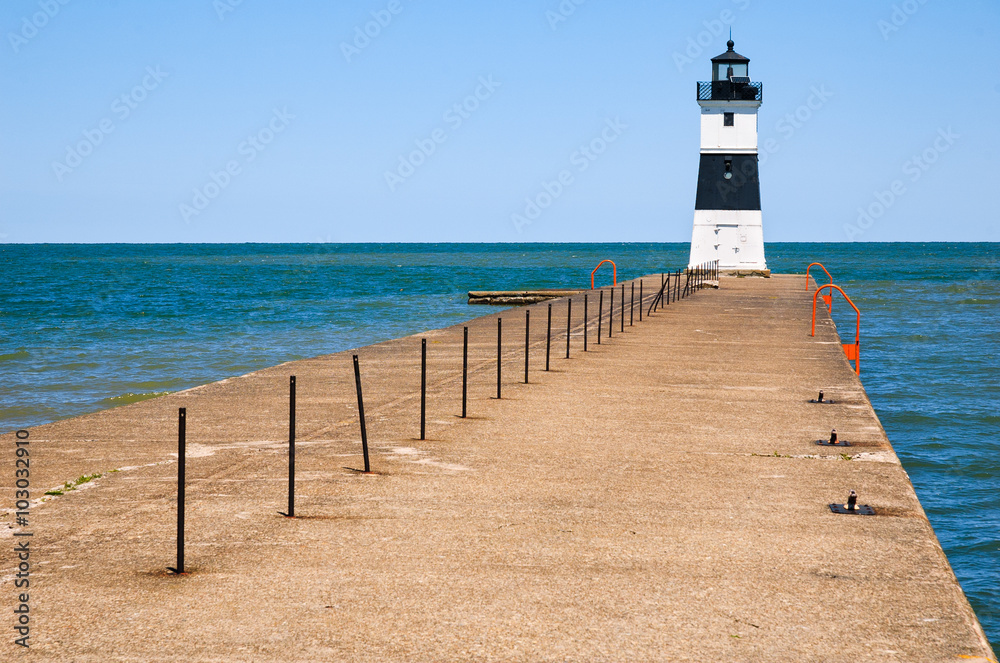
(130, 397)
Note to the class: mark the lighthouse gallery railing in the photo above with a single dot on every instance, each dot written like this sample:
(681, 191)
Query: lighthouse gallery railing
(727, 91)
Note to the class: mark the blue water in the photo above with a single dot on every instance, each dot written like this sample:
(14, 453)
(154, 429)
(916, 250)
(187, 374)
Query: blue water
(84, 327)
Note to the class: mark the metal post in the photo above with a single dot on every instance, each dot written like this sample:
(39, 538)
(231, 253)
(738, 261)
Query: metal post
(499, 352)
(291, 448)
(600, 315)
(569, 323)
(465, 371)
(361, 414)
(548, 338)
(423, 388)
(527, 337)
(658, 298)
(640, 300)
(181, 455)
(586, 320)
(623, 310)
(611, 312)
(631, 306)
(668, 290)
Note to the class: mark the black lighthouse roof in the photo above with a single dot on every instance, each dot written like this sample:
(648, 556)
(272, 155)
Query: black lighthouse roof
(730, 55)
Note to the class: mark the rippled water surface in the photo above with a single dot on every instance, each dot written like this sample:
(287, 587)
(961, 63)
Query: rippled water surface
(86, 327)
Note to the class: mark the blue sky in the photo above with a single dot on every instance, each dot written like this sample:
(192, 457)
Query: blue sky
(233, 121)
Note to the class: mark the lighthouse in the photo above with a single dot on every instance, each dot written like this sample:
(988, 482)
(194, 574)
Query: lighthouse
(727, 219)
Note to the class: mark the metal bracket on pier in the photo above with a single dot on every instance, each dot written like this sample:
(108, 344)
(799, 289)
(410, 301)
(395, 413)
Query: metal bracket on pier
(834, 441)
(821, 400)
(852, 507)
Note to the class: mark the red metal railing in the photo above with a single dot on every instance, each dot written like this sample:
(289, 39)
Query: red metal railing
(826, 298)
(614, 272)
(852, 350)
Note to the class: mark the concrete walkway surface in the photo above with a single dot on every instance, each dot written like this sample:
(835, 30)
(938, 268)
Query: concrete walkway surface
(658, 498)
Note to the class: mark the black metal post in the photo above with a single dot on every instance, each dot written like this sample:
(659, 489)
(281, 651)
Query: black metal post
(658, 298)
(181, 455)
(361, 414)
(611, 312)
(586, 320)
(499, 353)
(291, 448)
(667, 291)
(569, 323)
(600, 315)
(622, 312)
(631, 306)
(465, 371)
(548, 338)
(527, 337)
(640, 300)
(423, 388)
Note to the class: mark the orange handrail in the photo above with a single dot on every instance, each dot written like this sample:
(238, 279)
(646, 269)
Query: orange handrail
(826, 298)
(614, 272)
(852, 350)
(821, 267)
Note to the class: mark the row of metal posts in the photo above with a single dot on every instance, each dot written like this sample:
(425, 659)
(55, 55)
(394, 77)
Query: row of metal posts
(670, 290)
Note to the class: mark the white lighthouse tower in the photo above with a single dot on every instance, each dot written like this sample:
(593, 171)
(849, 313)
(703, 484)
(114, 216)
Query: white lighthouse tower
(727, 219)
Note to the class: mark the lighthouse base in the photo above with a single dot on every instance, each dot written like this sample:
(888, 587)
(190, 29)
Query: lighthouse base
(733, 237)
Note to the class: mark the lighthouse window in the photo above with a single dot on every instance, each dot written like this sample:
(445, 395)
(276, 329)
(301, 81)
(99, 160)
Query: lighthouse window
(727, 119)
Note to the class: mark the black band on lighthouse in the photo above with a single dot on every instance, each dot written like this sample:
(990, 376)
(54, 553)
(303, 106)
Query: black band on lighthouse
(740, 191)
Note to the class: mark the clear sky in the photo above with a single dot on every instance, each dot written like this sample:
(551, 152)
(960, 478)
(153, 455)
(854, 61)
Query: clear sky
(248, 120)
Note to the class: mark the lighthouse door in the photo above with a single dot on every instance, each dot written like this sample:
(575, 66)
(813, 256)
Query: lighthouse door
(728, 245)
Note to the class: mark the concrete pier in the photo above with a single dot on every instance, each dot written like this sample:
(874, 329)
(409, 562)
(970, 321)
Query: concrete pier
(658, 498)
(517, 297)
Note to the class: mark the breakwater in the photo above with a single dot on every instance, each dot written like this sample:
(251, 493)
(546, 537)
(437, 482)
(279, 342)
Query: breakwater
(601, 507)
